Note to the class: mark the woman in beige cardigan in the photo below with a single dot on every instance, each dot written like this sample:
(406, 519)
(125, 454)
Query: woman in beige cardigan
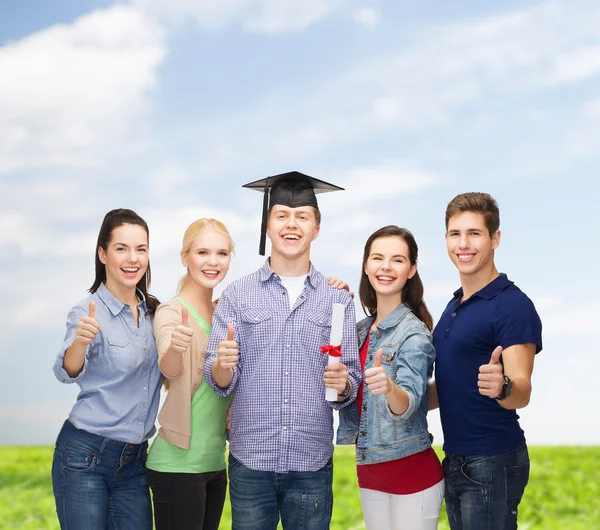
(186, 462)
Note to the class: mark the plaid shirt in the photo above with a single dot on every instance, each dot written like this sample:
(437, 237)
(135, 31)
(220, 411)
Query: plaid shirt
(280, 420)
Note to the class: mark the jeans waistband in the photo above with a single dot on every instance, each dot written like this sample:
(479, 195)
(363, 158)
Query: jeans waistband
(492, 456)
(69, 434)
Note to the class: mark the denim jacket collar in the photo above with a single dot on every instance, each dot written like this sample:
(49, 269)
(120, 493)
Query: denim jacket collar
(392, 320)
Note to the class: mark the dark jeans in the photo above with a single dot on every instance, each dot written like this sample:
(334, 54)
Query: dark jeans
(188, 501)
(100, 483)
(484, 492)
(304, 499)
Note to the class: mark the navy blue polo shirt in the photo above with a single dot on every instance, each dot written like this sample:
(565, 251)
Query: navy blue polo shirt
(500, 314)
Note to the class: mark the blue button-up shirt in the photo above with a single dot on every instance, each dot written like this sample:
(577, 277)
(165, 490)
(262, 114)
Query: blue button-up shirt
(120, 380)
(280, 420)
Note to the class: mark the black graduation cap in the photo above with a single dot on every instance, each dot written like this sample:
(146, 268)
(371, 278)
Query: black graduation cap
(293, 189)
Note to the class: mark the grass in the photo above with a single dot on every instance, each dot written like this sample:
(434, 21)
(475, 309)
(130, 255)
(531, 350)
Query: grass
(563, 490)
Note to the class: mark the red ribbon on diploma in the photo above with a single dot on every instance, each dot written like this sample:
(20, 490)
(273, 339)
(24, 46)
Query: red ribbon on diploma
(334, 351)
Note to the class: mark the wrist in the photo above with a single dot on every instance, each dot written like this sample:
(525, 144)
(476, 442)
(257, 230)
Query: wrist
(345, 394)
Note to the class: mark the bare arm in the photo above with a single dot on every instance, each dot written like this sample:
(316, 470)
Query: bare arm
(433, 397)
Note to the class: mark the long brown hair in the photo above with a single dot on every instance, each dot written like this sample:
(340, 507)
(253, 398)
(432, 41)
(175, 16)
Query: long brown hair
(412, 292)
(112, 220)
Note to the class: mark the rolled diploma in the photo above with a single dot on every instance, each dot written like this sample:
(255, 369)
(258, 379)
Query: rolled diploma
(337, 328)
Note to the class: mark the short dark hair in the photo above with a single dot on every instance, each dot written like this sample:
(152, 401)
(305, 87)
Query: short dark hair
(477, 202)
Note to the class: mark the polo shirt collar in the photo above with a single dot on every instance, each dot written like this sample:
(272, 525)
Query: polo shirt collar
(115, 306)
(495, 287)
(266, 273)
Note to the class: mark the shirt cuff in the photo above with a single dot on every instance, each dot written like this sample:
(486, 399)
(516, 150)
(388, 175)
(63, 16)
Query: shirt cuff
(408, 412)
(61, 374)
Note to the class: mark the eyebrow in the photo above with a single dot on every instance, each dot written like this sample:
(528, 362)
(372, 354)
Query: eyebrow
(126, 245)
(394, 256)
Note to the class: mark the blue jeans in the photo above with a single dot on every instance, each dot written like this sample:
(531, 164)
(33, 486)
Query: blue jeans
(99, 483)
(484, 492)
(304, 499)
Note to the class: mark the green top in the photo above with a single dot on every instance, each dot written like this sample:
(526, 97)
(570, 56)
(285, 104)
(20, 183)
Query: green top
(207, 442)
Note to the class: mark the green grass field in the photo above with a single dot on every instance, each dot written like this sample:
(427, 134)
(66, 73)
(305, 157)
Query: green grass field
(563, 491)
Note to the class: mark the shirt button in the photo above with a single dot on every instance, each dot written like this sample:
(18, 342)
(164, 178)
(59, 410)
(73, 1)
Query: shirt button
(285, 373)
(285, 400)
(284, 293)
(256, 320)
(145, 388)
(453, 314)
(140, 422)
(287, 345)
(320, 321)
(285, 428)
(447, 330)
(145, 406)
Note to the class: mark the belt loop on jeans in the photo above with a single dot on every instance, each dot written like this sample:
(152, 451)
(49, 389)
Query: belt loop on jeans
(101, 450)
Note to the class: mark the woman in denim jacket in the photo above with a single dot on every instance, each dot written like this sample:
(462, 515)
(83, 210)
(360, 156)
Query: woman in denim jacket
(399, 475)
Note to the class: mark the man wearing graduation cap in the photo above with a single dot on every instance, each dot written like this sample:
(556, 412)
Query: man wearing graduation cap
(268, 328)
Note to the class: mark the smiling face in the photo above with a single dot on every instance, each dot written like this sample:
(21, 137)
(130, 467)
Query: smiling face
(470, 245)
(291, 231)
(208, 258)
(125, 258)
(388, 266)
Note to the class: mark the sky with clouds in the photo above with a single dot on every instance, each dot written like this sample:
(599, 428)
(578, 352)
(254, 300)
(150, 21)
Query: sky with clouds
(168, 107)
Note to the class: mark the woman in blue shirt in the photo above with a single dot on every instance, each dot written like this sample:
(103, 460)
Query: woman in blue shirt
(98, 472)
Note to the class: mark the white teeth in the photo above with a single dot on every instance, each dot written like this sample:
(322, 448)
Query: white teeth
(212, 273)
(291, 237)
(130, 270)
(385, 278)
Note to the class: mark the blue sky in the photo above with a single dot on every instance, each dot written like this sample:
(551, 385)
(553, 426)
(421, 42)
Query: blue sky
(168, 107)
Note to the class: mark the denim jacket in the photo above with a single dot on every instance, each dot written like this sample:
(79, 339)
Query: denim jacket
(408, 355)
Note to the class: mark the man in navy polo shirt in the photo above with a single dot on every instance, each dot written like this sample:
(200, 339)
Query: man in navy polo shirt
(485, 341)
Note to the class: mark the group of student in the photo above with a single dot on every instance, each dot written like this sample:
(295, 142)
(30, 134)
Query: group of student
(250, 369)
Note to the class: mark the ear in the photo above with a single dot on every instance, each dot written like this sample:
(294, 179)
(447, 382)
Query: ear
(496, 239)
(102, 255)
(184, 259)
(317, 231)
(412, 272)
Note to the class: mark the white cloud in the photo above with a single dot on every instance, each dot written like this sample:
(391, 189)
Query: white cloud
(367, 16)
(259, 16)
(72, 95)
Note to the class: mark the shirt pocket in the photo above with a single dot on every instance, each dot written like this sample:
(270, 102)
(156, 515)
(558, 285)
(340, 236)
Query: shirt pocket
(315, 331)
(256, 326)
(121, 353)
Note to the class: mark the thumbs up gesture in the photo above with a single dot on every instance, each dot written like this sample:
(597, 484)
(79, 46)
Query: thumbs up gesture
(227, 351)
(376, 378)
(87, 327)
(491, 376)
(182, 334)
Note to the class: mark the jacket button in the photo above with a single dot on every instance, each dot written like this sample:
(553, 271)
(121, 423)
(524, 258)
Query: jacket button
(389, 357)
(363, 433)
(364, 457)
(378, 335)
(370, 357)
(364, 407)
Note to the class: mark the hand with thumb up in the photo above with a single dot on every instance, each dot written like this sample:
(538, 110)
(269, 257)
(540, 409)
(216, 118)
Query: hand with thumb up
(182, 334)
(87, 327)
(227, 351)
(491, 376)
(376, 378)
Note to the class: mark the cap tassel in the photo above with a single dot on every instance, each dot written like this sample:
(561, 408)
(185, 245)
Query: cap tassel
(263, 226)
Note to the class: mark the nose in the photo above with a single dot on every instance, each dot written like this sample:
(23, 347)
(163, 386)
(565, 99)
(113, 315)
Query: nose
(291, 222)
(132, 256)
(386, 264)
(212, 258)
(464, 241)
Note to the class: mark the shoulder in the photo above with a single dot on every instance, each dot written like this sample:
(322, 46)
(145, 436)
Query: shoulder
(168, 308)
(364, 323)
(319, 281)
(514, 300)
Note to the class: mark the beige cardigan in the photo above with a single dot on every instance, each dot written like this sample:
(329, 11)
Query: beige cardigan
(175, 415)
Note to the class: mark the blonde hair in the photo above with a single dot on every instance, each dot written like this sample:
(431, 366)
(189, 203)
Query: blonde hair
(198, 226)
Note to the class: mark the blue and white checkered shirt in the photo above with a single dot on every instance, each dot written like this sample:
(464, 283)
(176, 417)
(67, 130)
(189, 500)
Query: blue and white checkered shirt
(280, 420)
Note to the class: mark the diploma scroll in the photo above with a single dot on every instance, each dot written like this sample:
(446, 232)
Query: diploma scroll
(337, 328)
